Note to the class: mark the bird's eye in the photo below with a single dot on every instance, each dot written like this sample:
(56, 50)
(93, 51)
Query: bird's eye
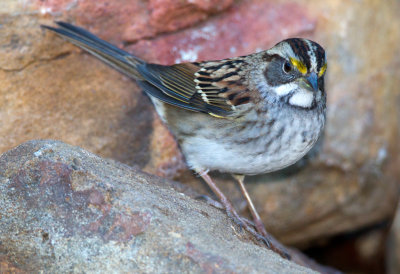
(287, 67)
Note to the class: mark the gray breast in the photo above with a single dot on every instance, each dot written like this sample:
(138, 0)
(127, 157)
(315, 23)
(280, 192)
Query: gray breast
(251, 145)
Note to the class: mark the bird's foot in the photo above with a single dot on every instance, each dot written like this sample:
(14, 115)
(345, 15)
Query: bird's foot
(261, 235)
(276, 246)
(264, 238)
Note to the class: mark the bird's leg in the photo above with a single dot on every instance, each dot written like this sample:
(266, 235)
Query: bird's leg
(256, 218)
(232, 213)
(274, 244)
(224, 200)
(219, 205)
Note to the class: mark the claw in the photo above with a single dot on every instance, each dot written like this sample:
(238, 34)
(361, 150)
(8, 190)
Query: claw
(257, 229)
(266, 242)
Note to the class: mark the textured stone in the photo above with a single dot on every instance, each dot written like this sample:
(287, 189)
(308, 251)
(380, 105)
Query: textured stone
(71, 98)
(228, 34)
(64, 209)
(393, 246)
(49, 89)
(133, 19)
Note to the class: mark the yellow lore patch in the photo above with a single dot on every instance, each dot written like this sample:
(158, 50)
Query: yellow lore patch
(322, 70)
(299, 65)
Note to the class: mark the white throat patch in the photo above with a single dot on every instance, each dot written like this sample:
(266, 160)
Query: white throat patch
(285, 89)
(302, 98)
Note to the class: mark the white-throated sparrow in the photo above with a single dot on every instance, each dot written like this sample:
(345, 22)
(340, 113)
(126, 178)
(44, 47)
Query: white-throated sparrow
(245, 116)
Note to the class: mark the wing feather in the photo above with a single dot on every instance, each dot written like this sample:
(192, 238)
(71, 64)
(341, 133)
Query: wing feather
(212, 87)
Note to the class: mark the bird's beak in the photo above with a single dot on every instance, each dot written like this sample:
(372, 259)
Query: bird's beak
(310, 82)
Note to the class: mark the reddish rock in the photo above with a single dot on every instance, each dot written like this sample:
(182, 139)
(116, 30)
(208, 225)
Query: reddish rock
(7, 266)
(171, 15)
(249, 26)
(166, 160)
(131, 20)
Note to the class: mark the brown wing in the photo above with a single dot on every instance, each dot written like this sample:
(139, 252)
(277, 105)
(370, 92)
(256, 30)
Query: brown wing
(223, 83)
(211, 87)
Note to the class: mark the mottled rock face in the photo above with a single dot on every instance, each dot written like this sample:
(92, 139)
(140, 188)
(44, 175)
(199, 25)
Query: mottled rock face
(63, 209)
(50, 89)
(393, 247)
(135, 20)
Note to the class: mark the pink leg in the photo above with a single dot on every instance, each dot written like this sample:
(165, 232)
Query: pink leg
(232, 213)
(256, 218)
(259, 225)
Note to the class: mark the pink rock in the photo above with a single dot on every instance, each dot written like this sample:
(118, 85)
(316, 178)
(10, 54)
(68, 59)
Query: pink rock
(131, 20)
(53, 6)
(245, 28)
(170, 15)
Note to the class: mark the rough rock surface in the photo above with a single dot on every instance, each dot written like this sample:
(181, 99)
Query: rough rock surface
(49, 89)
(393, 246)
(63, 209)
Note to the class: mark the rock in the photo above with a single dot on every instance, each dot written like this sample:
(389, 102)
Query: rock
(49, 89)
(228, 35)
(134, 19)
(45, 99)
(393, 246)
(63, 209)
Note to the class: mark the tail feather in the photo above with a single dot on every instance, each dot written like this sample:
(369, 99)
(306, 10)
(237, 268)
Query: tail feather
(108, 53)
(173, 85)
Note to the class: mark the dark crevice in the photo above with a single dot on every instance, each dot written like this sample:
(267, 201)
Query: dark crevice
(41, 60)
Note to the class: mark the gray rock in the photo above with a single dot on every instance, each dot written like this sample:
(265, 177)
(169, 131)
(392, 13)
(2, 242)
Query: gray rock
(63, 209)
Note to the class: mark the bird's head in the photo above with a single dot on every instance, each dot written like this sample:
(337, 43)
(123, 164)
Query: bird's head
(294, 72)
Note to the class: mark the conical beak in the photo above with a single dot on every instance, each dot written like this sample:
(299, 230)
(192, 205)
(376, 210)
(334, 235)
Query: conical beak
(311, 82)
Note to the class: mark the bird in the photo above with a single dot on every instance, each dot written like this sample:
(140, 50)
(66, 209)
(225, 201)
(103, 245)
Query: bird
(244, 115)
